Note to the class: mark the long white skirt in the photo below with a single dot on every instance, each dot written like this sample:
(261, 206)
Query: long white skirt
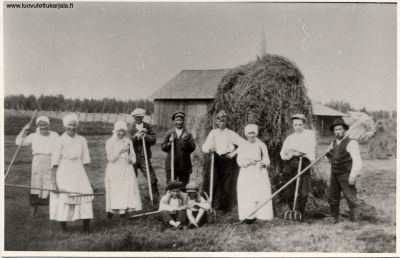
(254, 189)
(122, 189)
(41, 175)
(71, 177)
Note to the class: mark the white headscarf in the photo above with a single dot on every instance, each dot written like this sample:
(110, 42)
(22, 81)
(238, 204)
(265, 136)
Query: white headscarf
(120, 125)
(251, 128)
(70, 117)
(42, 119)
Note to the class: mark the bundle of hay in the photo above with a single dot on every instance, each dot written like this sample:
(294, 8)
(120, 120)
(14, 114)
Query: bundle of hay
(266, 92)
(383, 143)
(362, 126)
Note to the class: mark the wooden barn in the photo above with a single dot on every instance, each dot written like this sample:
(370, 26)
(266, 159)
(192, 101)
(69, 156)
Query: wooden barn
(193, 91)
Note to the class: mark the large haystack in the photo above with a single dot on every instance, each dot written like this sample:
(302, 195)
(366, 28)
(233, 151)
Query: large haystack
(266, 92)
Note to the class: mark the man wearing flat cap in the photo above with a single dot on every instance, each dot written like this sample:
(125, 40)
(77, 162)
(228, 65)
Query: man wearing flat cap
(183, 146)
(345, 159)
(300, 144)
(223, 143)
(137, 131)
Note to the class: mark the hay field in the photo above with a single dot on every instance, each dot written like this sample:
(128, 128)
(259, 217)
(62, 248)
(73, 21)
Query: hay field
(22, 233)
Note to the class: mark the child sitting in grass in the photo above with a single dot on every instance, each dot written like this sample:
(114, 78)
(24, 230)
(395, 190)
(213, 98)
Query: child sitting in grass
(197, 206)
(173, 205)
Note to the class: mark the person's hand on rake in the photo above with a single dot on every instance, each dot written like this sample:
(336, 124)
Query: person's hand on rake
(171, 138)
(352, 180)
(27, 127)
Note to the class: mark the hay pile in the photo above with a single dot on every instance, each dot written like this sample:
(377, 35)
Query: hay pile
(266, 92)
(362, 126)
(383, 143)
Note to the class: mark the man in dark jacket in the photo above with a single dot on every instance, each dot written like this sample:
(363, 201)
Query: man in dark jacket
(344, 156)
(137, 131)
(183, 146)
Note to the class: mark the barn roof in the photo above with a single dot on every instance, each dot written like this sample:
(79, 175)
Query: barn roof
(191, 84)
(322, 110)
(203, 84)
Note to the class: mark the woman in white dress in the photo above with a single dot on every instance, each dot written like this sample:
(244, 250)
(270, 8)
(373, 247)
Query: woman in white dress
(42, 142)
(253, 186)
(70, 155)
(122, 190)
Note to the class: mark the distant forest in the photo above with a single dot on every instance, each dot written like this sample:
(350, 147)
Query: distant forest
(112, 105)
(60, 103)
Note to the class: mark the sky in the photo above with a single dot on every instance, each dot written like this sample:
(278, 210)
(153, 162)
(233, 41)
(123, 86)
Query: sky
(128, 50)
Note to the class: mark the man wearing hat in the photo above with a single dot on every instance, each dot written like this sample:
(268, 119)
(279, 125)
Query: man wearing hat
(197, 206)
(345, 159)
(223, 143)
(301, 143)
(137, 131)
(183, 146)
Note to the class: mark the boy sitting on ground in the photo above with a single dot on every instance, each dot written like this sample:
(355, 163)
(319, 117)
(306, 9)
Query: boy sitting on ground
(173, 205)
(197, 206)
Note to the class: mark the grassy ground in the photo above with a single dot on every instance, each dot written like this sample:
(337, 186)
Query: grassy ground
(377, 187)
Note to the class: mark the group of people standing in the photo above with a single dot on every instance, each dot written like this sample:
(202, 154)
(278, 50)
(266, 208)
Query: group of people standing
(240, 170)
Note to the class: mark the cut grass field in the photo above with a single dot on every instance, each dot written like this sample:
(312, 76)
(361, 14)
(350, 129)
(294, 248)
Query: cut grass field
(377, 187)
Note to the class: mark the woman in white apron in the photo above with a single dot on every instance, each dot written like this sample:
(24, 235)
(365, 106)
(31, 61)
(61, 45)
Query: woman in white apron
(42, 142)
(253, 186)
(70, 156)
(122, 190)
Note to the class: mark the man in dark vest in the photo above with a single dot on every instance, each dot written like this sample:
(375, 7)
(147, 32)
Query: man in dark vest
(345, 159)
(183, 146)
(137, 131)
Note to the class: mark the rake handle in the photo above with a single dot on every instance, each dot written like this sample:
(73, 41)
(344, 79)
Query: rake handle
(19, 147)
(296, 193)
(52, 190)
(147, 171)
(143, 214)
(172, 160)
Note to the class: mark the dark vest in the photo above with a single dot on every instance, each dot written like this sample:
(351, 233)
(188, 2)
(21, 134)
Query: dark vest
(341, 161)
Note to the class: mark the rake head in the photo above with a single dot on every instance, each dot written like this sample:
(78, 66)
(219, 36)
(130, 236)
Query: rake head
(293, 215)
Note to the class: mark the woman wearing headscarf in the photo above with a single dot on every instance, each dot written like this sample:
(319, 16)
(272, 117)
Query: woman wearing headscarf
(42, 142)
(70, 156)
(253, 186)
(122, 190)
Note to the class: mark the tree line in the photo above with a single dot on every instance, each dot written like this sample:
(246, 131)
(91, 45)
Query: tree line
(60, 103)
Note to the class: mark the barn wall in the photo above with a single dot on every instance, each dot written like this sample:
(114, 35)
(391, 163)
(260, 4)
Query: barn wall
(322, 124)
(163, 109)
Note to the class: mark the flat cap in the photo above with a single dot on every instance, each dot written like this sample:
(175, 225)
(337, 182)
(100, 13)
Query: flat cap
(174, 185)
(192, 187)
(299, 116)
(178, 114)
(138, 112)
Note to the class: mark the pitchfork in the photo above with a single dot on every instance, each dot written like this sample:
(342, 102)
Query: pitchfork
(294, 214)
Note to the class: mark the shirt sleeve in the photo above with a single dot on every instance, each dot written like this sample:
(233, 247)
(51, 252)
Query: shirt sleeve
(283, 152)
(242, 162)
(85, 152)
(56, 153)
(354, 150)
(132, 152)
(209, 143)
(20, 140)
(265, 155)
(236, 139)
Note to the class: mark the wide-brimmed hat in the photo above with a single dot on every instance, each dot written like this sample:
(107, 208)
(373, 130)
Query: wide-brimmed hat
(339, 121)
(178, 114)
(138, 112)
(192, 187)
(172, 185)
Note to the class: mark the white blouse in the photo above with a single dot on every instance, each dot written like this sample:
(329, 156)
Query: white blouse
(72, 148)
(114, 147)
(40, 144)
(249, 152)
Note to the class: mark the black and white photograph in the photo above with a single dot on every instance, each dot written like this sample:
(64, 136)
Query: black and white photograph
(219, 128)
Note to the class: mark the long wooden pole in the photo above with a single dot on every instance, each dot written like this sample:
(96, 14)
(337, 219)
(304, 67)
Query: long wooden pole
(172, 161)
(147, 171)
(143, 214)
(19, 146)
(212, 176)
(52, 190)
